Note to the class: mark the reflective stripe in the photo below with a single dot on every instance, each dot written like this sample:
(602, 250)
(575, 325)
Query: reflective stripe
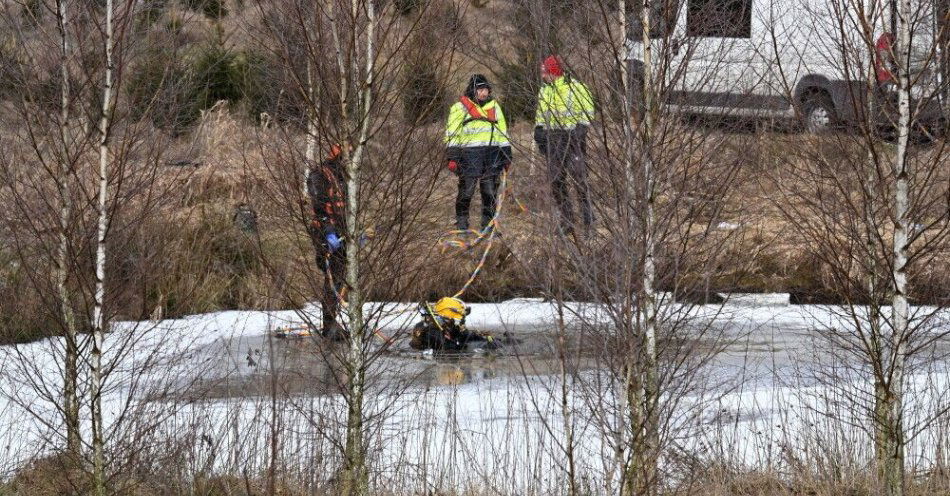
(475, 144)
(465, 130)
(468, 132)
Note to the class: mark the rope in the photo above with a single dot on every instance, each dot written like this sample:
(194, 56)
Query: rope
(489, 230)
(478, 236)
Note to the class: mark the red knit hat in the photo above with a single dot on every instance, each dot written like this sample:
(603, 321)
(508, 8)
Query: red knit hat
(552, 66)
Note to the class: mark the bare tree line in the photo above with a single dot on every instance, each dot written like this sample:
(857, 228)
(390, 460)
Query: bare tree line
(869, 208)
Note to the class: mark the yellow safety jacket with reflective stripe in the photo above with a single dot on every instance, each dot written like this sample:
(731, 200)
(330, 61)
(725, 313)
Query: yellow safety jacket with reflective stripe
(464, 130)
(563, 104)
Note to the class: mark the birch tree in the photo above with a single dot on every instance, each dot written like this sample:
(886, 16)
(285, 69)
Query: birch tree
(71, 371)
(646, 400)
(661, 191)
(68, 189)
(900, 318)
(55, 140)
(99, 322)
(854, 198)
(356, 480)
(345, 63)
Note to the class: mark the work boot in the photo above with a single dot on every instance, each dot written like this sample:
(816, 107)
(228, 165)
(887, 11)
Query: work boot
(335, 332)
(461, 223)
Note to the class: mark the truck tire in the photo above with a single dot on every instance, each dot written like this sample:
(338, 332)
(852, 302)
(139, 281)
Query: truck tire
(818, 113)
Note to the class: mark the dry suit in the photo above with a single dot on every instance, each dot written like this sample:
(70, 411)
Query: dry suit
(325, 186)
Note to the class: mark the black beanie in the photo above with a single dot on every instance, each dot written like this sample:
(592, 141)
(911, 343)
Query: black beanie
(475, 82)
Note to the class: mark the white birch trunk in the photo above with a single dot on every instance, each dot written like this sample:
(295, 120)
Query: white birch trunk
(648, 304)
(311, 147)
(647, 298)
(631, 184)
(355, 450)
(894, 466)
(642, 393)
(71, 359)
(875, 321)
(98, 316)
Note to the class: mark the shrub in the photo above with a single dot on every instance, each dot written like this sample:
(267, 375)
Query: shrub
(174, 91)
(156, 88)
(23, 316)
(445, 19)
(216, 74)
(174, 25)
(54, 474)
(10, 71)
(519, 82)
(406, 7)
(213, 9)
(33, 12)
(425, 92)
(265, 88)
(150, 13)
(201, 264)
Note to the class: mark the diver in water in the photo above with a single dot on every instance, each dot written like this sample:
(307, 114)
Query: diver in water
(443, 328)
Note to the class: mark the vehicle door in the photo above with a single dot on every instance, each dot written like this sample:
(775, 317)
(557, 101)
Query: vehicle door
(663, 25)
(791, 39)
(712, 51)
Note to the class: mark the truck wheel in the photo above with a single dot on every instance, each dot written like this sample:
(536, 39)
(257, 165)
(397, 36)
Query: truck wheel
(819, 114)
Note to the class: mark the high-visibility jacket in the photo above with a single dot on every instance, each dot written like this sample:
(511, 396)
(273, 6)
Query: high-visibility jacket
(472, 125)
(563, 104)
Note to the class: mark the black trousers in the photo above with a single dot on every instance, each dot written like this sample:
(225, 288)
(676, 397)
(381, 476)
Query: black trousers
(567, 166)
(333, 266)
(488, 186)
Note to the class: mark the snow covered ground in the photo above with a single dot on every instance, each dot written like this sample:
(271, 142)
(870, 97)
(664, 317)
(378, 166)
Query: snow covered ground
(765, 399)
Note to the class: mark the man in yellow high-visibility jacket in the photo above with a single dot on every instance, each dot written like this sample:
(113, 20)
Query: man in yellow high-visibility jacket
(565, 111)
(477, 149)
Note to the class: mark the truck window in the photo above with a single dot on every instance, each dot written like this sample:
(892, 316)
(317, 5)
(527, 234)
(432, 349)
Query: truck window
(662, 18)
(719, 18)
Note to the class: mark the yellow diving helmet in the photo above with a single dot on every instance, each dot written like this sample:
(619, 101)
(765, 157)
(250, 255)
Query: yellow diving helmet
(451, 308)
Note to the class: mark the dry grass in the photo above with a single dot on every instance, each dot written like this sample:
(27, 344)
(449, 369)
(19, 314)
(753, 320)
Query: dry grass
(726, 482)
(54, 476)
(209, 265)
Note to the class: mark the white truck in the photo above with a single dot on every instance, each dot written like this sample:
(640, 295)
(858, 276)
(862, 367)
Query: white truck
(824, 62)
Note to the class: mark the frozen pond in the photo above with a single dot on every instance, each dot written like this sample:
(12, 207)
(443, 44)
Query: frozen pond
(771, 381)
(310, 365)
(756, 341)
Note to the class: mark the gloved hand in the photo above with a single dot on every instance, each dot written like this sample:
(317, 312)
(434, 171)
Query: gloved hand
(541, 139)
(333, 241)
(506, 166)
(453, 166)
